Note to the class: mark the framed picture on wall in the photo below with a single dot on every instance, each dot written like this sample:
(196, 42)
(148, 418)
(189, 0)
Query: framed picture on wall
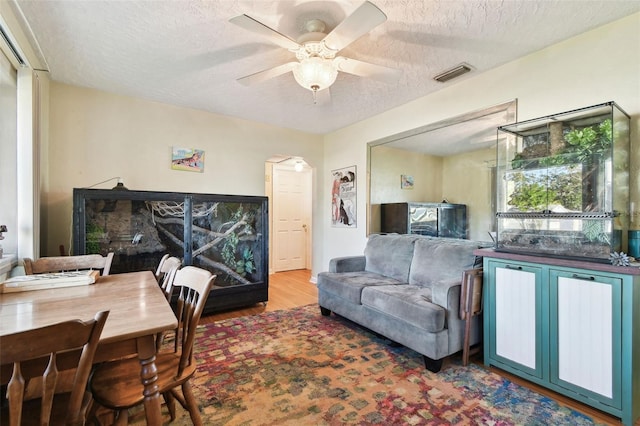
(343, 198)
(406, 182)
(187, 159)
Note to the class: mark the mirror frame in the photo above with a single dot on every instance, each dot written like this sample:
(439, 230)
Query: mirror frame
(510, 108)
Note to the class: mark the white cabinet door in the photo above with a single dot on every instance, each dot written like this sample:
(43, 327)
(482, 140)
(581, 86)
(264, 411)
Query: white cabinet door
(586, 333)
(516, 316)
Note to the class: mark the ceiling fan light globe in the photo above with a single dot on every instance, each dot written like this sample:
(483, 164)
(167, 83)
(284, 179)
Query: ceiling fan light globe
(315, 73)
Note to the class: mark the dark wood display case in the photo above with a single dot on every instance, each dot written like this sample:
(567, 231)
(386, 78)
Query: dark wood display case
(225, 234)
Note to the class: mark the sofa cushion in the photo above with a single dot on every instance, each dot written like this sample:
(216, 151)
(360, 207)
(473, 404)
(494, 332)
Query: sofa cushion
(408, 303)
(441, 260)
(349, 285)
(390, 255)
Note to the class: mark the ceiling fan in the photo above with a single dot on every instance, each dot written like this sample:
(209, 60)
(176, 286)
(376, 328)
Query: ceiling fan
(317, 65)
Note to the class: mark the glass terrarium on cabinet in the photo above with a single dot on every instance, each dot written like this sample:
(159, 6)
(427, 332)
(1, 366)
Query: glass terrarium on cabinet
(563, 187)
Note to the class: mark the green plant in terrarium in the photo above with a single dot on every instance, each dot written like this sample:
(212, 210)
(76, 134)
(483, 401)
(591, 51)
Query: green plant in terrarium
(561, 189)
(595, 231)
(530, 193)
(553, 160)
(245, 265)
(528, 197)
(229, 247)
(581, 144)
(242, 263)
(589, 146)
(587, 141)
(565, 184)
(94, 235)
(520, 162)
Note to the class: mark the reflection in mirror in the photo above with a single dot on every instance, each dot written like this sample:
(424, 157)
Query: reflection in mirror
(451, 161)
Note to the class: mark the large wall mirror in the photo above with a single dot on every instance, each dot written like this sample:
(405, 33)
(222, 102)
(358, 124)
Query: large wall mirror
(449, 161)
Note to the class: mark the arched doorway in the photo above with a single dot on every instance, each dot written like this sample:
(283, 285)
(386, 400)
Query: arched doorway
(289, 187)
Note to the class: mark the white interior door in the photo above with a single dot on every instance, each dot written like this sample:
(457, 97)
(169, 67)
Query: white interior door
(291, 218)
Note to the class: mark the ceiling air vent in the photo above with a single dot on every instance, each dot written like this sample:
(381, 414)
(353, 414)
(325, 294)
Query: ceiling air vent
(452, 73)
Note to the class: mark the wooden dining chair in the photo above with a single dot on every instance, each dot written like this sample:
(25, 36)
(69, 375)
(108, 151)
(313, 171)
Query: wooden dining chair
(116, 384)
(68, 263)
(166, 272)
(43, 353)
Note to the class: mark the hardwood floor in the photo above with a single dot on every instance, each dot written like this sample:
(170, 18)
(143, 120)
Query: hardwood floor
(286, 290)
(291, 289)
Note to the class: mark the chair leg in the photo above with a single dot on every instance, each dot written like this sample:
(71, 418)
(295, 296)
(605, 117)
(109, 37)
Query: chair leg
(98, 415)
(177, 395)
(122, 418)
(192, 405)
(465, 345)
(92, 413)
(171, 404)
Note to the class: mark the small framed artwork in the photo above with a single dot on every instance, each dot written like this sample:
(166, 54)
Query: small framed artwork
(406, 182)
(187, 159)
(343, 197)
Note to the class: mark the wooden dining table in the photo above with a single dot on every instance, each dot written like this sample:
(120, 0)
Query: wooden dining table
(138, 311)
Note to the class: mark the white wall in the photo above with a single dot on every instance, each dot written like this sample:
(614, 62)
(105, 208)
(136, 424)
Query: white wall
(95, 135)
(598, 66)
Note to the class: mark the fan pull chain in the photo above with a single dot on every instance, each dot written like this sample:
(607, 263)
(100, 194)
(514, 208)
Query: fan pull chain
(314, 89)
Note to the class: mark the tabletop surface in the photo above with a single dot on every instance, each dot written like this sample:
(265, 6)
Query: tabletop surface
(136, 303)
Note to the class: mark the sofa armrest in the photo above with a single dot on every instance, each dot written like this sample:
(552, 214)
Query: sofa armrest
(447, 294)
(347, 264)
(441, 294)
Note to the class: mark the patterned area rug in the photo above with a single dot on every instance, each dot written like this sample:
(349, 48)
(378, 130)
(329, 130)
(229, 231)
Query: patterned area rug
(296, 367)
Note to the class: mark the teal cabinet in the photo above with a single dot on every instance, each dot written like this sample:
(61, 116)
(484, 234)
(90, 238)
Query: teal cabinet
(571, 326)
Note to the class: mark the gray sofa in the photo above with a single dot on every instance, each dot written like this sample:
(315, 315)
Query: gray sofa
(406, 288)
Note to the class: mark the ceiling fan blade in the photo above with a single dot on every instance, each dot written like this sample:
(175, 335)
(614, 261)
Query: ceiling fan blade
(250, 24)
(261, 76)
(366, 69)
(361, 21)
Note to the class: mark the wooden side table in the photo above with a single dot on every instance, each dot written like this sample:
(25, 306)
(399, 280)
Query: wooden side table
(470, 306)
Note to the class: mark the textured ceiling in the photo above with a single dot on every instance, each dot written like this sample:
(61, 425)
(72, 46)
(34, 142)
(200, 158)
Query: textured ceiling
(186, 53)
